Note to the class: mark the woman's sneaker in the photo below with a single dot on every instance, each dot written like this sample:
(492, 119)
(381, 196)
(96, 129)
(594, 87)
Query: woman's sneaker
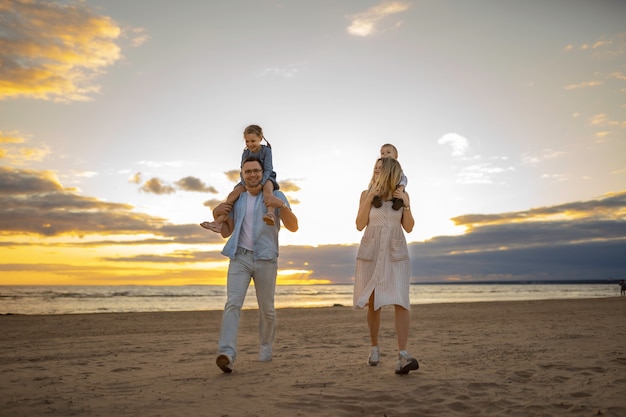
(406, 363)
(374, 357)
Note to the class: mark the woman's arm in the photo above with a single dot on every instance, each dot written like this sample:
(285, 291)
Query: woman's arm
(365, 204)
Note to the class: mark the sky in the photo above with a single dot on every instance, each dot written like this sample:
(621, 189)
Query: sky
(121, 127)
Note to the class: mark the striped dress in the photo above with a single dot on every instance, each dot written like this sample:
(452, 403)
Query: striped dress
(382, 262)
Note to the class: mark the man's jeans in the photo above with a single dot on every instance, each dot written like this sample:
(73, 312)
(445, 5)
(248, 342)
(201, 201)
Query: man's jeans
(240, 270)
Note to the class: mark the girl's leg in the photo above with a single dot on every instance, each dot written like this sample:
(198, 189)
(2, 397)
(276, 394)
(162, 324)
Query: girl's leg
(268, 191)
(230, 199)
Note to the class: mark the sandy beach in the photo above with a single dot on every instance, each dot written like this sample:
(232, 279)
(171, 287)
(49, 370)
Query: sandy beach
(524, 358)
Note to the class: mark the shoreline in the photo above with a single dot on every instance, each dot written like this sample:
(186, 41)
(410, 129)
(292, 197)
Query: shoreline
(541, 357)
(308, 307)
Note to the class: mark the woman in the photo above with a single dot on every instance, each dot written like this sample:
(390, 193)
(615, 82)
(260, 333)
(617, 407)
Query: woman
(382, 265)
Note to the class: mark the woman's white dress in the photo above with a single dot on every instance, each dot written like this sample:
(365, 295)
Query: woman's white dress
(382, 263)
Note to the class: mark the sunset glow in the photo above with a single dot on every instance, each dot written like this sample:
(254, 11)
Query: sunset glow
(121, 128)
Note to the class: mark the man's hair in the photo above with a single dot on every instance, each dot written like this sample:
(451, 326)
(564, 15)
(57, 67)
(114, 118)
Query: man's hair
(252, 159)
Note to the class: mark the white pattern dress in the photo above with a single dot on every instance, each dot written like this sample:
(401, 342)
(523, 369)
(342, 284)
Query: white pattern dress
(382, 263)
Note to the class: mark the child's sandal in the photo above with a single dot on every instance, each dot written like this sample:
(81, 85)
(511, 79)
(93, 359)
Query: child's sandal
(269, 219)
(212, 226)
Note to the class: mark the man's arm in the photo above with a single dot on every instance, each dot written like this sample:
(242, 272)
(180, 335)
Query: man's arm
(227, 225)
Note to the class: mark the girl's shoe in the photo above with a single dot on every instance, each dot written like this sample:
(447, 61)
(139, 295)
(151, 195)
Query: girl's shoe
(374, 357)
(269, 219)
(212, 226)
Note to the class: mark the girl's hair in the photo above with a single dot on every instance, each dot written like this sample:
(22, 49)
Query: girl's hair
(256, 130)
(388, 178)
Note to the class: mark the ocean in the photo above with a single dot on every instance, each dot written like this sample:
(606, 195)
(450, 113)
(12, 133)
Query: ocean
(114, 299)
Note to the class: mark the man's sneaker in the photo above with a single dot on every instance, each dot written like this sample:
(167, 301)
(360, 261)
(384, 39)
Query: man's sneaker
(374, 357)
(265, 353)
(225, 363)
(406, 363)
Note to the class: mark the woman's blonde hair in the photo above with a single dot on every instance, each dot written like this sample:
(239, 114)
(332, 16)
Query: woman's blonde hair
(388, 178)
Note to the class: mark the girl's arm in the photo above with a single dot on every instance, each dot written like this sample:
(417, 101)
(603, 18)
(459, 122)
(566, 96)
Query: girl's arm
(268, 165)
(363, 216)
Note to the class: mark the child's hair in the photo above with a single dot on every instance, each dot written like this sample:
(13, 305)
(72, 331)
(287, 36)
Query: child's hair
(256, 130)
(389, 145)
(390, 173)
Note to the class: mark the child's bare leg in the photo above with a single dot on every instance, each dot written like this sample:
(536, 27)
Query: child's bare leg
(216, 225)
(230, 199)
(268, 191)
(398, 203)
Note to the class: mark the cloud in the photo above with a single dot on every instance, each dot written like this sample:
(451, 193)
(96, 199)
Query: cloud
(135, 179)
(585, 84)
(194, 184)
(233, 175)
(366, 23)
(13, 148)
(34, 202)
(18, 182)
(288, 186)
(578, 240)
(11, 137)
(54, 51)
(156, 186)
(546, 154)
(458, 143)
(288, 71)
(602, 120)
(611, 46)
(609, 207)
(482, 173)
(212, 203)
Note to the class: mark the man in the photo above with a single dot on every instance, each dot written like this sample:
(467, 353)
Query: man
(253, 252)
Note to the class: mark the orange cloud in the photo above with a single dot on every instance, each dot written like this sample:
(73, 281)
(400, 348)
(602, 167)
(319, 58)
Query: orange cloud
(12, 148)
(55, 50)
(366, 23)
